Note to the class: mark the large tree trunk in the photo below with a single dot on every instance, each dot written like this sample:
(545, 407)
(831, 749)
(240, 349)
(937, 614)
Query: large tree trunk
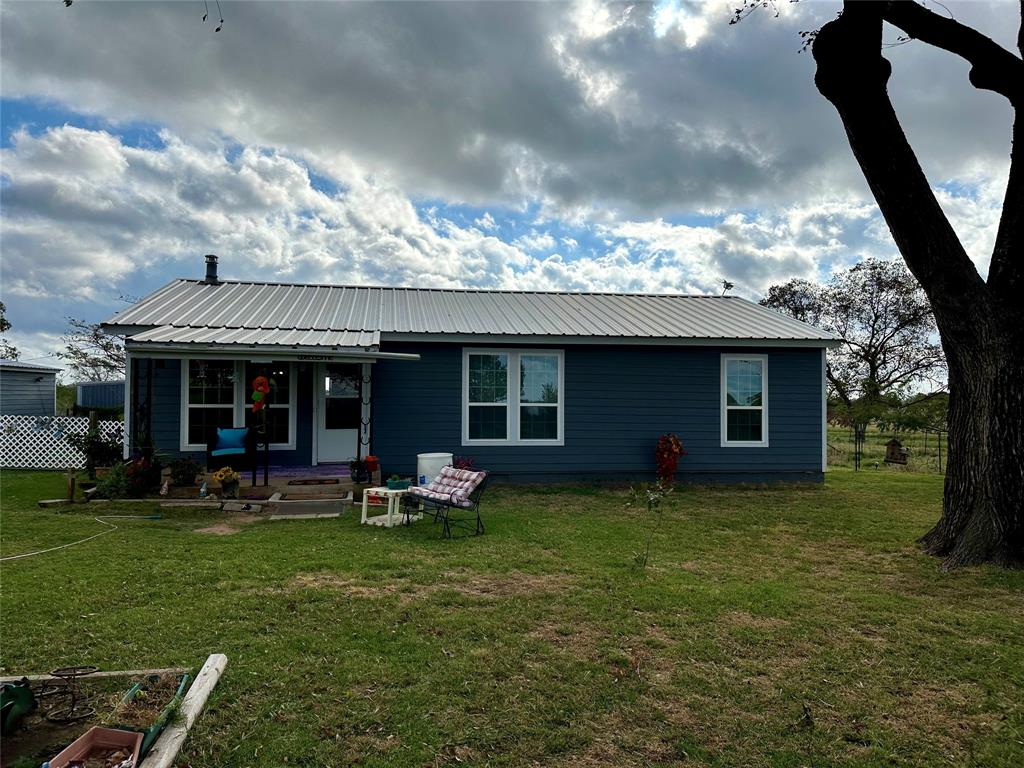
(982, 330)
(982, 517)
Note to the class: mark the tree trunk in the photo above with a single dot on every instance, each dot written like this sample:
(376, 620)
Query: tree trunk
(982, 518)
(982, 334)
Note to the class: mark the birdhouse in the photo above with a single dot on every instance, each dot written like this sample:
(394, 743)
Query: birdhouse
(895, 453)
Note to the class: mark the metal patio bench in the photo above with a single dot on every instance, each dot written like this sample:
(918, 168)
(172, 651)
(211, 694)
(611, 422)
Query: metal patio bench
(451, 494)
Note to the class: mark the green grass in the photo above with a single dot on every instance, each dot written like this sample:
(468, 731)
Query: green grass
(540, 643)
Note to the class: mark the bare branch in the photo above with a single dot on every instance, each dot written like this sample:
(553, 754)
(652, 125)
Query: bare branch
(993, 68)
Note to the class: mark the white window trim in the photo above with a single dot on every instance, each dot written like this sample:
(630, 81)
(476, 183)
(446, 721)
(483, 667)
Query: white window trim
(513, 404)
(237, 407)
(725, 407)
(184, 445)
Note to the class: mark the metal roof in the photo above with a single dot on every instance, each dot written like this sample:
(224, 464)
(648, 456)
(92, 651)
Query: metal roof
(220, 313)
(169, 334)
(32, 367)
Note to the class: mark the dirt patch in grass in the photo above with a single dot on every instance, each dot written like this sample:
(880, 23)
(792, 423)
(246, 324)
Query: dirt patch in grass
(745, 620)
(465, 582)
(512, 584)
(232, 524)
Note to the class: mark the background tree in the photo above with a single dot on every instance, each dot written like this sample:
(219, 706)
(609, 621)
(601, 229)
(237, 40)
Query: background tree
(7, 350)
(980, 321)
(889, 339)
(91, 354)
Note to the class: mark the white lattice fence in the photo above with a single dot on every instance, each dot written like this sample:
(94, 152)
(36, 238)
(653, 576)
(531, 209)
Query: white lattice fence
(40, 442)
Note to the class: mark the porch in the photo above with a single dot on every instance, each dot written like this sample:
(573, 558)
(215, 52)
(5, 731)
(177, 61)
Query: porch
(309, 408)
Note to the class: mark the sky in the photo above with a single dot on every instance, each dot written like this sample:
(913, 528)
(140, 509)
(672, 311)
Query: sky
(538, 146)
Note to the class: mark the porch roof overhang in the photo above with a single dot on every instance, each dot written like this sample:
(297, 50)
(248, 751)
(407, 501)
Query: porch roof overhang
(270, 343)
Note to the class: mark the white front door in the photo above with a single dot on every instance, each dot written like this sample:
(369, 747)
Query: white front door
(339, 411)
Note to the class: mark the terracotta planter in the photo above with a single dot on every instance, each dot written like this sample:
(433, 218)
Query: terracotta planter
(97, 742)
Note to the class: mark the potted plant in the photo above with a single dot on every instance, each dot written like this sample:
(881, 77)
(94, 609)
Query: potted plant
(184, 472)
(358, 471)
(371, 463)
(395, 483)
(229, 480)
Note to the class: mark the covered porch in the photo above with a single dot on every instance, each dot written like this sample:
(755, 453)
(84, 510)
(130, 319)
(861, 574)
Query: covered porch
(304, 399)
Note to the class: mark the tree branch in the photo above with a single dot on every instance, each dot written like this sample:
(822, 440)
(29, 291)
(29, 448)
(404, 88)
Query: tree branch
(853, 75)
(993, 68)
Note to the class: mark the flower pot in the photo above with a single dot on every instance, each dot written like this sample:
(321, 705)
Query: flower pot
(229, 489)
(398, 485)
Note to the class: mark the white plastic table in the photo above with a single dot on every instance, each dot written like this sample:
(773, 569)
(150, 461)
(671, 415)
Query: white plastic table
(393, 515)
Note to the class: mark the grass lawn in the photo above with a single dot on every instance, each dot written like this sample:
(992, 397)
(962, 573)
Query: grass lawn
(780, 627)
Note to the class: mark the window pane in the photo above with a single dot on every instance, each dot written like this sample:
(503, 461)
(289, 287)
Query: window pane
(538, 422)
(203, 423)
(538, 379)
(488, 422)
(743, 382)
(279, 375)
(743, 425)
(342, 413)
(488, 378)
(211, 382)
(277, 423)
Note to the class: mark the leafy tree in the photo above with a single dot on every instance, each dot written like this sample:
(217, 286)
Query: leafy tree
(92, 354)
(7, 350)
(885, 323)
(980, 320)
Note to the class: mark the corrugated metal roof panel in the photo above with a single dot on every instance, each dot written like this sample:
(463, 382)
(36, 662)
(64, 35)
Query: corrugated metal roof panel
(169, 334)
(298, 307)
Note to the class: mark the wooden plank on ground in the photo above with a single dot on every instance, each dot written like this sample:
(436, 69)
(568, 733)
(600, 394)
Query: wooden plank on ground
(166, 748)
(45, 678)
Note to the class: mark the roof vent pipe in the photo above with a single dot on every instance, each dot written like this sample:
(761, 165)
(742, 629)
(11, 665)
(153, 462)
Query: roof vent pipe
(211, 270)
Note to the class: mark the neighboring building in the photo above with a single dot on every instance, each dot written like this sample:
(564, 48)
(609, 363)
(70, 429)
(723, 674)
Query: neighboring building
(27, 389)
(99, 395)
(532, 385)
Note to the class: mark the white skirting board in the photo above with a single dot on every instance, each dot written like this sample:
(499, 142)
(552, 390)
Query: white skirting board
(166, 748)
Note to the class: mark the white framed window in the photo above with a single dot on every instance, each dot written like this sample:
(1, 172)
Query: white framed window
(745, 401)
(216, 393)
(208, 399)
(513, 397)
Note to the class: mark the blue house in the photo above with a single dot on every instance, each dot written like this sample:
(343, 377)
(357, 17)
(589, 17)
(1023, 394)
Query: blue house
(534, 386)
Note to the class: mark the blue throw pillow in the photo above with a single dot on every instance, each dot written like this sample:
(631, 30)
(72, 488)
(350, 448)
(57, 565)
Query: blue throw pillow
(231, 438)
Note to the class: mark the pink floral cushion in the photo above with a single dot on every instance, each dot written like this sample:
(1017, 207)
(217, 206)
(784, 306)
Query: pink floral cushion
(452, 486)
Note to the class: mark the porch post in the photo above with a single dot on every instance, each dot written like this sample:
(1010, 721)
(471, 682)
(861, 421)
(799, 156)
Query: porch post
(365, 413)
(128, 405)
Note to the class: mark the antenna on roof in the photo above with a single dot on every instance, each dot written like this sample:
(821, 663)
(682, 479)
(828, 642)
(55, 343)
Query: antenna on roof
(726, 287)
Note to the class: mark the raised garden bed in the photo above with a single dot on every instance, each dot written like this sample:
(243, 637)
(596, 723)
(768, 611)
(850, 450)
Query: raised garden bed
(142, 703)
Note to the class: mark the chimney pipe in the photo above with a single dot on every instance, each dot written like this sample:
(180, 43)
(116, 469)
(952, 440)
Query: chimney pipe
(211, 270)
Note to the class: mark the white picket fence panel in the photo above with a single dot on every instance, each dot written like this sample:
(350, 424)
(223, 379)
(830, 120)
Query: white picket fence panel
(40, 442)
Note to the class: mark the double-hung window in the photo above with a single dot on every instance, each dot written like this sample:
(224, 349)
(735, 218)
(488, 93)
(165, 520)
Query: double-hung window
(745, 400)
(208, 400)
(512, 397)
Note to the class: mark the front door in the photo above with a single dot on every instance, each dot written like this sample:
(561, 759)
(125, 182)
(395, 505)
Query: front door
(339, 411)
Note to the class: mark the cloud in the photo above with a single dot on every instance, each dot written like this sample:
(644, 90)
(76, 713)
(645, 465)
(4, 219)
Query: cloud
(645, 110)
(621, 146)
(536, 241)
(80, 226)
(486, 222)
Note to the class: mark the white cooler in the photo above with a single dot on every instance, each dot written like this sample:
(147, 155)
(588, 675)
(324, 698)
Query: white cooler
(428, 466)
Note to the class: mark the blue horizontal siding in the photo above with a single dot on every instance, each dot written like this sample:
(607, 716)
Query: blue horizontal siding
(618, 401)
